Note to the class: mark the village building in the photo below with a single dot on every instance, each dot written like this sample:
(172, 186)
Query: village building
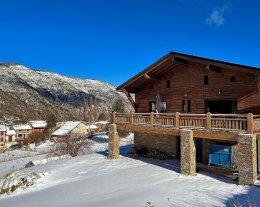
(23, 131)
(2, 134)
(72, 127)
(200, 110)
(10, 139)
(38, 126)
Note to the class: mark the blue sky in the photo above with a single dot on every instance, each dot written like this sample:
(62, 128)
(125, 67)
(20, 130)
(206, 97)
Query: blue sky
(112, 40)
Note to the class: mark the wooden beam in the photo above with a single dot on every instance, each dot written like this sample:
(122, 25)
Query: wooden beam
(150, 77)
(179, 60)
(215, 135)
(129, 98)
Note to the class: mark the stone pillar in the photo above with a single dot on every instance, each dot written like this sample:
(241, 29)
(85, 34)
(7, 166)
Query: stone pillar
(247, 166)
(188, 153)
(258, 155)
(113, 145)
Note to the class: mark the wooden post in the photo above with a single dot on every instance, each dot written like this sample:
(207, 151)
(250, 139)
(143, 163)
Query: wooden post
(151, 119)
(114, 118)
(131, 118)
(250, 123)
(177, 120)
(208, 121)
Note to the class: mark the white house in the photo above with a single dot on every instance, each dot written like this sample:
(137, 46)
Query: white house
(72, 127)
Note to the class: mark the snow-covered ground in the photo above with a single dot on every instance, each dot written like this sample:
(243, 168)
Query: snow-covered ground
(93, 180)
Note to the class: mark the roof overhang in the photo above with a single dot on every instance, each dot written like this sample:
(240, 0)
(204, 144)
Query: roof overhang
(173, 59)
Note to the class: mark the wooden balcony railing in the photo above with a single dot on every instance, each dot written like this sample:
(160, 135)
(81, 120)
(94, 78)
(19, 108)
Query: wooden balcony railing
(228, 122)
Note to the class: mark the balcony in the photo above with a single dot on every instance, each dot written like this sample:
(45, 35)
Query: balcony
(212, 125)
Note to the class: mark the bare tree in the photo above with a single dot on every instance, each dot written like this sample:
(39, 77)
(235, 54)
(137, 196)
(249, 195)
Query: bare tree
(71, 144)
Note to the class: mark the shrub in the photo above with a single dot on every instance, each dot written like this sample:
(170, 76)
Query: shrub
(71, 144)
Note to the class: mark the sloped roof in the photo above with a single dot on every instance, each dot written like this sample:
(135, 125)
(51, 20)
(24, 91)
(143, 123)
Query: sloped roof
(22, 127)
(10, 132)
(173, 59)
(38, 124)
(66, 127)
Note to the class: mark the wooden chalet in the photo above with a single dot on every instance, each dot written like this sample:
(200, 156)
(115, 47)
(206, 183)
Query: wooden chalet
(199, 110)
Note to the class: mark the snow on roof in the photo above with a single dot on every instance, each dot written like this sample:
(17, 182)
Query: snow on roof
(38, 124)
(2, 128)
(66, 127)
(22, 127)
(91, 126)
(10, 132)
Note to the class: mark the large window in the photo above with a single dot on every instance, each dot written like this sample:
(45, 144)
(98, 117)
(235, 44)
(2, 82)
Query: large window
(152, 107)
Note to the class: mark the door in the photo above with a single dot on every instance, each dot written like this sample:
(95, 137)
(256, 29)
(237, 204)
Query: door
(221, 106)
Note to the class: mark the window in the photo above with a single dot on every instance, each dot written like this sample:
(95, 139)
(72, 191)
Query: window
(206, 80)
(168, 83)
(183, 106)
(232, 79)
(189, 106)
(152, 107)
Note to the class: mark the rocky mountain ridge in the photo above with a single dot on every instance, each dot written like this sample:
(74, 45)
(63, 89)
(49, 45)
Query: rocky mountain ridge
(33, 94)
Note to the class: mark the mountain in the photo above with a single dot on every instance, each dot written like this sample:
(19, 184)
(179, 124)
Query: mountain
(33, 94)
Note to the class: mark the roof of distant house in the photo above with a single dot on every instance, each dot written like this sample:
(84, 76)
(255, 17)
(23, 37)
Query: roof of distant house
(10, 132)
(2, 128)
(22, 127)
(92, 126)
(66, 127)
(38, 124)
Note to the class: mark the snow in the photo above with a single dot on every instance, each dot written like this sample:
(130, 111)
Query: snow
(38, 124)
(93, 180)
(10, 132)
(22, 127)
(2, 128)
(66, 127)
(92, 126)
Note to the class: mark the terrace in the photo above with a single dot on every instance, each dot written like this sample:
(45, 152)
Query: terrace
(215, 126)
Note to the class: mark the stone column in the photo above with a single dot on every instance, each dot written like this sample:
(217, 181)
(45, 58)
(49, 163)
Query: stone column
(247, 159)
(188, 153)
(113, 145)
(258, 154)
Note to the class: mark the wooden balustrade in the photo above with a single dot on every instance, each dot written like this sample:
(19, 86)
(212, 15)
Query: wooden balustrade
(227, 122)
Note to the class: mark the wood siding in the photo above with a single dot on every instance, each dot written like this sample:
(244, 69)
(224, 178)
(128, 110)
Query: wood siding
(187, 83)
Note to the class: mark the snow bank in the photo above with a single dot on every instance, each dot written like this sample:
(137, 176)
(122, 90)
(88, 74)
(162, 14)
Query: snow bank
(18, 181)
(44, 161)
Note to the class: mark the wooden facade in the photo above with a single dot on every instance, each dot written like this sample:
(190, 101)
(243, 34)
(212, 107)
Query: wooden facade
(189, 84)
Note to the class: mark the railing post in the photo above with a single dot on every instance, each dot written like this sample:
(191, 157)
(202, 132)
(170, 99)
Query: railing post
(151, 119)
(131, 118)
(114, 118)
(177, 120)
(250, 123)
(208, 121)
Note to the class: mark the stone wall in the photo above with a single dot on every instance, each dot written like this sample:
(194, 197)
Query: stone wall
(164, 143)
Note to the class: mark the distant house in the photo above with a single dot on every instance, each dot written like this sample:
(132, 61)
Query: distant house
(23, 131)
(10, 138)
(69, 127)
(38, 126)
(2, 134)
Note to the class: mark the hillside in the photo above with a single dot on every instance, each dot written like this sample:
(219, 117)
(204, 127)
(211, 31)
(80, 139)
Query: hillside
(31, 94)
